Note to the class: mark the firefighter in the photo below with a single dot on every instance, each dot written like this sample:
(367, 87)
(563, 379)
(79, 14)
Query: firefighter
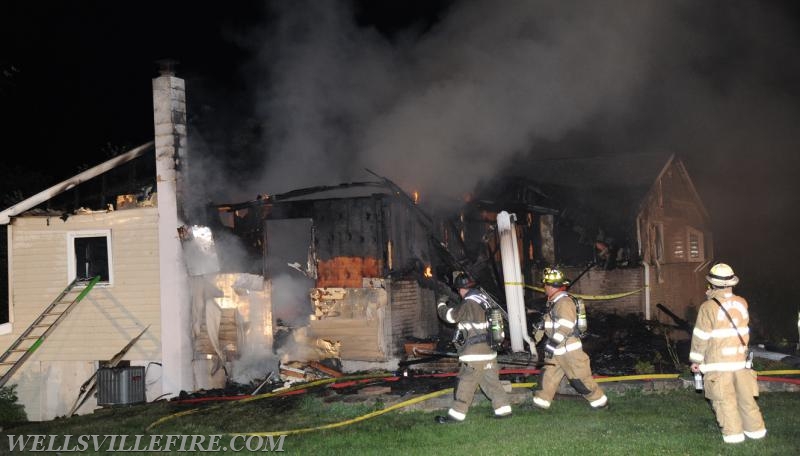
(564, 354)
(719, 350)
(478, 359)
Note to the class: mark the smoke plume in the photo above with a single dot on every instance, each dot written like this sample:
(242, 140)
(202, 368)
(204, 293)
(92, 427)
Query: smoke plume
(485, 86)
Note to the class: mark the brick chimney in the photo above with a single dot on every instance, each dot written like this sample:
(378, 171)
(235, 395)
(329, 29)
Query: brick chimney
(169, 113)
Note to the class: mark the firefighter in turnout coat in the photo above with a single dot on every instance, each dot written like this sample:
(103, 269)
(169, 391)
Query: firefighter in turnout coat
(563, 350)
(719, 350)
(478, 359)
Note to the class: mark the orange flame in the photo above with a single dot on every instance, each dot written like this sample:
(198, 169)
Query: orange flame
(428, 272)
(416, 197)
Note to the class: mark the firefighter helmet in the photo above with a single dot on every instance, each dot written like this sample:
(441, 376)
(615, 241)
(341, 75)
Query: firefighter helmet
(721, 275)
(554, 277)
(463, 281)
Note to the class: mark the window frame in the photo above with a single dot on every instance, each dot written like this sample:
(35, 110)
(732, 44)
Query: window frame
(701, 246)
(72, 257)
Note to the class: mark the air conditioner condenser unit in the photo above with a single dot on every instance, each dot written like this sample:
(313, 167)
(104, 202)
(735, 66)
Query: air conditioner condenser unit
(120, 385)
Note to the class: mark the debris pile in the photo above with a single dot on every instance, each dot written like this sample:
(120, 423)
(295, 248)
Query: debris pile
(622, 345)
(297, 371)
(617, 345)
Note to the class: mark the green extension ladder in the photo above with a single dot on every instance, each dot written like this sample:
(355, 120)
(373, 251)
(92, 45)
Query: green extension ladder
(33, 337)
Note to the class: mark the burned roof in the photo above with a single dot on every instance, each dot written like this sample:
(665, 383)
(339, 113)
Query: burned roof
(593, 190)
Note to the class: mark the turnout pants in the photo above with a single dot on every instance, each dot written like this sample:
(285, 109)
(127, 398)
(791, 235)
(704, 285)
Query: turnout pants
(732, 396)
(472, 375)
(575, 365)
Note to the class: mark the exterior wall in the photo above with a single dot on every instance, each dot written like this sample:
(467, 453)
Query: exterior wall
(673, 224)
(413, 313)
(371, 323)
(349, 241)
(601, 282)
(102, 323)
(357, 319)
(364, 237)
(346, 271)
(681, 291)
(676, 242)
(410, 240)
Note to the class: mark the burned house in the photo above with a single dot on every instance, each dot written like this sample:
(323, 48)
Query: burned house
(128, 292)
(347, 268)
(103, 284)
(349, 272)
(631, 231)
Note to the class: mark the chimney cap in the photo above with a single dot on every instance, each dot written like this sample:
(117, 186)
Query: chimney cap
(166, 67)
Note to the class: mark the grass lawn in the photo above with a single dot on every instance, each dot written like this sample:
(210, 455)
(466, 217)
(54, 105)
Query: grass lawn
(675, 423)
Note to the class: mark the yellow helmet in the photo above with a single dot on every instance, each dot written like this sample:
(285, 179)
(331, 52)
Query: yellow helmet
(554, 277)
(721, 275)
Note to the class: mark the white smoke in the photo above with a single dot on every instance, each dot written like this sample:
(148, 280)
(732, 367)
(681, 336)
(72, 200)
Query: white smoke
(454, 105)
(489, 83)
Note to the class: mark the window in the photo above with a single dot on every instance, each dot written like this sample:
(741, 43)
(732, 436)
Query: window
(695, 242)
(678, 247)
(89, 255)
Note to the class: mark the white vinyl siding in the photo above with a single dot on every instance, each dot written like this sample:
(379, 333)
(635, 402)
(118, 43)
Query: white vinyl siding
(109, 316)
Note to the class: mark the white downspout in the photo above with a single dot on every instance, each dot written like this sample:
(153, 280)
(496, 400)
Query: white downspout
(646, 268)
(646, 290)
(513, 283)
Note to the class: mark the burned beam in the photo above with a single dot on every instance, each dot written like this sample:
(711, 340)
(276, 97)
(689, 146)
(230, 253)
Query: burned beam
(262, 200)
(682, 324)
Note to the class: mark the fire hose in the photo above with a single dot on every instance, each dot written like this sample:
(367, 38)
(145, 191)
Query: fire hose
(442, 392)
(425, 397)
(282, 392)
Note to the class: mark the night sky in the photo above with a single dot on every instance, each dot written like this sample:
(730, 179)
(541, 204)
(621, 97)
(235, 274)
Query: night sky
(290, 94)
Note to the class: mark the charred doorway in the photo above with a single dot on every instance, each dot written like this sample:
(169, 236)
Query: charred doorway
(290, 269)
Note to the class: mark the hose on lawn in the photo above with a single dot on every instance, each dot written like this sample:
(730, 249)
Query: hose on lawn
(425, 397)
(283, 392)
